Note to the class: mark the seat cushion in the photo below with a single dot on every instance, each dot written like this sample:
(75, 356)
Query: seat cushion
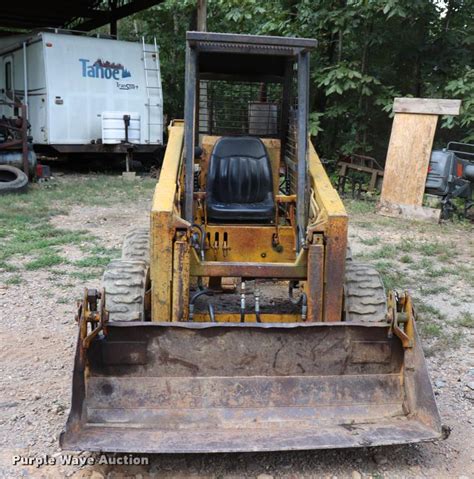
(239, 181)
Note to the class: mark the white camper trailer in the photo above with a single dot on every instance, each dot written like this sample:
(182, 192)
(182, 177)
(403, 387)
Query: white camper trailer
(84, 94)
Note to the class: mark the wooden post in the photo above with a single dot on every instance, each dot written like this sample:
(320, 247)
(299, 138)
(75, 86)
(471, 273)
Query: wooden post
(409, 153)
(202, 15)
(113, 17)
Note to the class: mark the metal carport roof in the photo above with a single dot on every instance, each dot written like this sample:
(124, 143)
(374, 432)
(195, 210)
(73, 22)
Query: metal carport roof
(83, 15)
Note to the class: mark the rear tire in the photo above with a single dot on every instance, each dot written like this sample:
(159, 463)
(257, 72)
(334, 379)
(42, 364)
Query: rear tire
(365, 299)
(125, 283)
(136, 245)
(12, 180)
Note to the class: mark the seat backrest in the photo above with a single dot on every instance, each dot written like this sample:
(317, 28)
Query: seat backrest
(239, 171)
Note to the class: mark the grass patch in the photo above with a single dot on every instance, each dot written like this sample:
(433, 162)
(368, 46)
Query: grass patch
(14, 280)
(24, 223)
(8, 267)
(434, 289)
(45, 261)
(437, 273)
(384, 252)
(86, 275)
(64, 301)
(427, 311)
(445, 257)
(391, 277)
(407, 259)
(466, 319)
(32, 238)
(102, 250)
(406, 246)
(370, 241)
(425, 263)
(430, 270)
(63, 284)
(430, 330)
(432, 249)
(93, 262)
(355, 207)
(465, 272)
(443, 343)
(56, 273)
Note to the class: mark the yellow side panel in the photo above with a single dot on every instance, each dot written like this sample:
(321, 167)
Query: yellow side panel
(326, 195)
(162, 232)
(335, 231)
(180, 297)
(165, 191)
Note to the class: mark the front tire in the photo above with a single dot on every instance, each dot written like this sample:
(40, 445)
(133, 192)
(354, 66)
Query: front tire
(365, 299)
(125, 283)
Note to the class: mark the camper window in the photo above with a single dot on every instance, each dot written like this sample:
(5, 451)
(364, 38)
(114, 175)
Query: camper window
(8, 76)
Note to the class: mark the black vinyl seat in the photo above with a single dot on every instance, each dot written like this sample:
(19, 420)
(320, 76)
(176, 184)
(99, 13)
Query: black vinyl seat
(239, 181)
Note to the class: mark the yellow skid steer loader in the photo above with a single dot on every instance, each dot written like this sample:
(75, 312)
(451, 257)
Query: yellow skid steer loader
(238, 321)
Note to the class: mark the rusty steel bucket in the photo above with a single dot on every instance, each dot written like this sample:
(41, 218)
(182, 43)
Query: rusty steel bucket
(210, 387)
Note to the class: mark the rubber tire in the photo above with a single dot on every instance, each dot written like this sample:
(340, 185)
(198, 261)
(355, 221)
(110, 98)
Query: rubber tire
(136, 245)
(365, 299)
(124, 282)
(18, 182)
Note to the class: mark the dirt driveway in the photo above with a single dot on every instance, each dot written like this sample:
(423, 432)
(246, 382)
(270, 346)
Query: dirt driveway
(58, 238)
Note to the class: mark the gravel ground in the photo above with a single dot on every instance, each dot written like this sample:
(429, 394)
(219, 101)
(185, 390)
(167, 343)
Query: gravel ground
(37, 337)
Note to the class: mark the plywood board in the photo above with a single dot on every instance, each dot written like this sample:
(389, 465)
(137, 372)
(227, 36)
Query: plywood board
(429, 106)
(408, 158)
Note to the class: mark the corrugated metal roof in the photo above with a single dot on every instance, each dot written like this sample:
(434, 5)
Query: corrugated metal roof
(83, 15)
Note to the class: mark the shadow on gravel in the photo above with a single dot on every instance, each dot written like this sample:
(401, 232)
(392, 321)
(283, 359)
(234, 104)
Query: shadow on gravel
(377, 462)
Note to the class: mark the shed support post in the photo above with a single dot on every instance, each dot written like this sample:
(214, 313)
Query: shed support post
(189, 127)
(302, 144)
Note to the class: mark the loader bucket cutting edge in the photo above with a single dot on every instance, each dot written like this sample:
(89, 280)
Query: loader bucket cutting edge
(193, 388)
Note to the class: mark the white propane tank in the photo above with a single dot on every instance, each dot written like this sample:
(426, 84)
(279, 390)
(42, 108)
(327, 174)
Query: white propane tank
(113, 127)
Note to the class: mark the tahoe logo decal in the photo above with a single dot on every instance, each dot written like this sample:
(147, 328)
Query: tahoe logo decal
(103, 69)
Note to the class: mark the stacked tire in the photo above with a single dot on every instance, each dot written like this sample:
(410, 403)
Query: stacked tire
(12, 180)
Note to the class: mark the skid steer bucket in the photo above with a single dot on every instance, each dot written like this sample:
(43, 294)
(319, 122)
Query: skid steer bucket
(210, 387)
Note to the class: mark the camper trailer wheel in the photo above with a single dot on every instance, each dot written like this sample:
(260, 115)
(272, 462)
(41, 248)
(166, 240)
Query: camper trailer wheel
(125, 283)
(365, 299)
(136, 245)
(12, 180)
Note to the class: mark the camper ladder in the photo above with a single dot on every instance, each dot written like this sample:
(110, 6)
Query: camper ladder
(151, 65)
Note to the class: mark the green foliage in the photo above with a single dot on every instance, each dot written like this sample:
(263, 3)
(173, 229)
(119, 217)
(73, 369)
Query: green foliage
(462, 87)
(369, 52)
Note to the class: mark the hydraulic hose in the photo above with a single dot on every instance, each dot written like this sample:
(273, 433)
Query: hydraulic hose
(303, 299)
(242, 302)
(202, 245)
(194, 297)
